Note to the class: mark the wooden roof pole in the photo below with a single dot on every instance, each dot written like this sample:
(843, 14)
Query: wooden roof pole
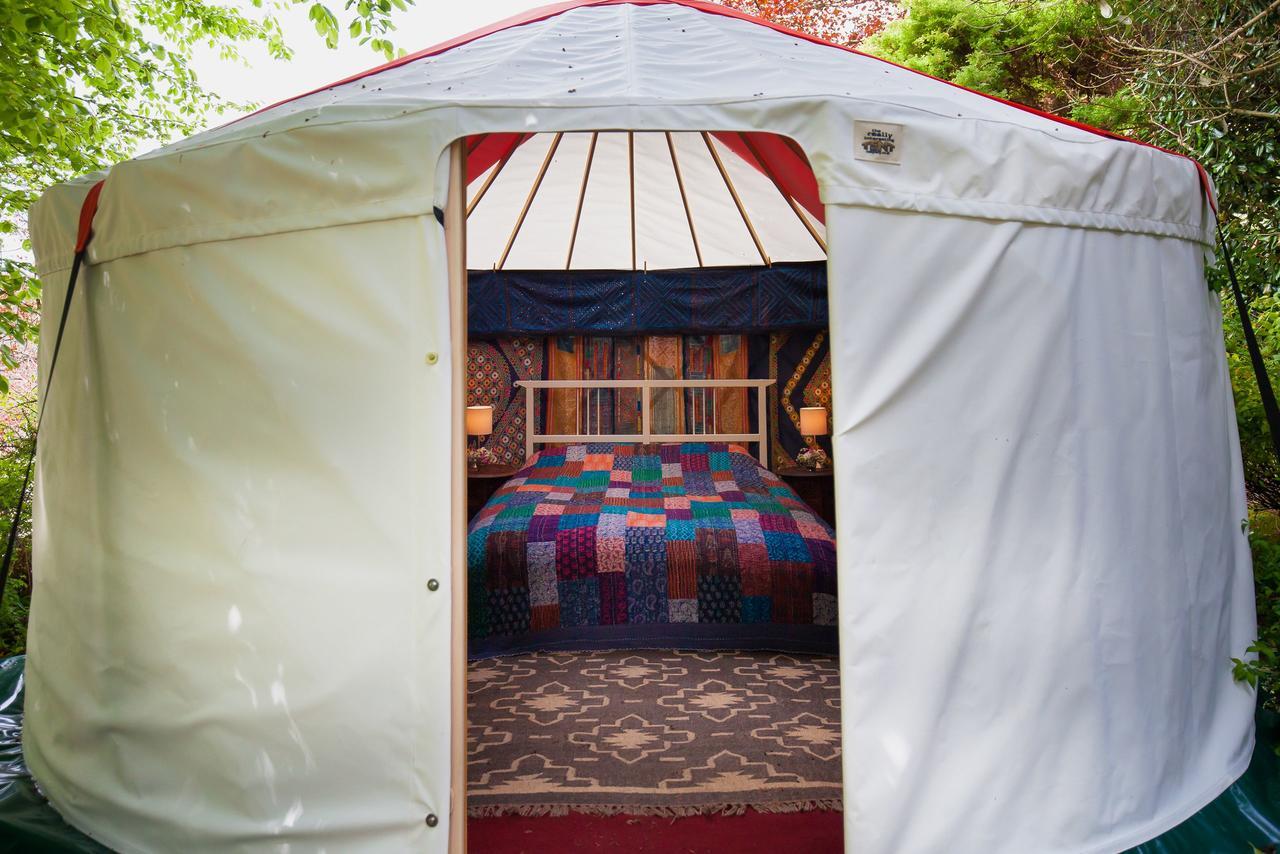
(795, 206)
(533, 191)
(688, 214)
(733, 191)
(582, 194)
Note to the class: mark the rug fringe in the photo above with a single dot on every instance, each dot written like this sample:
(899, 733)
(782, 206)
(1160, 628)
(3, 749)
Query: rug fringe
(682, 811)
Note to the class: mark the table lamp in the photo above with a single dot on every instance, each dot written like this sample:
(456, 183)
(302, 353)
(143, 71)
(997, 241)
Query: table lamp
(479, 422)
(813, 422)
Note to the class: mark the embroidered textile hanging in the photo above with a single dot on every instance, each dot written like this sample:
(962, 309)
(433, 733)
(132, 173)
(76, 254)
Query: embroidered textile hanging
(708, 300)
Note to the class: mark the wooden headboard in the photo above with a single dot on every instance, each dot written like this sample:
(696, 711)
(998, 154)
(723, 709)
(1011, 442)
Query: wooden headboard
(702, 418)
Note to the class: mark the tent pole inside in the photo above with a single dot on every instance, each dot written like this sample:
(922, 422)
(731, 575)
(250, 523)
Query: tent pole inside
(455, 223)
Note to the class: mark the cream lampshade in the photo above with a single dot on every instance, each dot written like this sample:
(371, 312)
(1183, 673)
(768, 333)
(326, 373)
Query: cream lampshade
(479, 420)
(813, 421)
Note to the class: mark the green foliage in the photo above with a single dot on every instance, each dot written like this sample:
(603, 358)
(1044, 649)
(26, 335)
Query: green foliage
(1260, 667)
(1022, 50)
(84, 83)
(1262, 472)
(15, 449)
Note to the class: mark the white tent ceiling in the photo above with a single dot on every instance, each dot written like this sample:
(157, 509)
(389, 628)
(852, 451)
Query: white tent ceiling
(619, 200)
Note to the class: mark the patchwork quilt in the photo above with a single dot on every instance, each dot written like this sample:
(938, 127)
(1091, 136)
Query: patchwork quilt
(690, 545)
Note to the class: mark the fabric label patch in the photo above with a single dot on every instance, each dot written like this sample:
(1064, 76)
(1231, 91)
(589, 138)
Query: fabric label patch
(877, 142)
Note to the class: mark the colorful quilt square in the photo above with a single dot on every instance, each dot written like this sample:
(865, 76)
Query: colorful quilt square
(509, 611)
(682, 569)
(611, 555)
(786, 547)
(719, 599)
(575, 554)
(824, 609)
(543, 528)
(682, 610)
(792, 593)
(580, 602)
(781, 523)
(545, 617)
(717, 553)
(646, 575)
(611, 526)
(680, 530)
(646, 520)
(757, 570)
(506, 560)
(613, 599)
(598, 462)
(542, 573)
(756, 609)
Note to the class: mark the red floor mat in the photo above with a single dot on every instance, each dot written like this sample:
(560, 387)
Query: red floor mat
(793, 833)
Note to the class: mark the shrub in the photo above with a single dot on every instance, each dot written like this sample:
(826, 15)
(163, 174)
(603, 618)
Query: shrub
(15, 449)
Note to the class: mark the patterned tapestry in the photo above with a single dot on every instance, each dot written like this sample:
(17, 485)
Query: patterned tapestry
(664, 360)
(801, 364)
(493, 367)
(693, 357)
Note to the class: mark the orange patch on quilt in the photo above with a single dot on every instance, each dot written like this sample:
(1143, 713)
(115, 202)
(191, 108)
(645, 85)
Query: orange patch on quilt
(611, 554)
(598, 462)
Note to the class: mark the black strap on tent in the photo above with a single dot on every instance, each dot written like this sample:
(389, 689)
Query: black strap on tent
(31, 460)
(1255, 355)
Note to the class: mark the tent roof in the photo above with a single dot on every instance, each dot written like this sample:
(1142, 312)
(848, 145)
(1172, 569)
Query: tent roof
(339, 154)
(543, 13)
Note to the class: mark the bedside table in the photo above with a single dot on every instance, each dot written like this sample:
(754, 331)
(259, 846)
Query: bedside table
(483, 482)
(815, 488)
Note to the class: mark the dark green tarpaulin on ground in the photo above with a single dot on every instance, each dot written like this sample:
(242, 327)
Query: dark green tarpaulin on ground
(1245, 816)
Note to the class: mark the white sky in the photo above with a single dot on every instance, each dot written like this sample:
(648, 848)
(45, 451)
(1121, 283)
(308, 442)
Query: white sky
(313, 65)
(264, 80)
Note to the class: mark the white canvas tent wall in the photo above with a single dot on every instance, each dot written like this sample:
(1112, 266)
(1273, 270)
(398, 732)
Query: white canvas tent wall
(1043, 573)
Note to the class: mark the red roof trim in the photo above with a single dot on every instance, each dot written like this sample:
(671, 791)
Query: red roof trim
(88, 210)
(544, 12)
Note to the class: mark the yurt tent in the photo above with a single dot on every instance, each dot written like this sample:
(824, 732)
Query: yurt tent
(244, 631)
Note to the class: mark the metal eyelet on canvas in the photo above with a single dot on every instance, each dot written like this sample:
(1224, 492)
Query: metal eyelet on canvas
(433, 585)
(432, 358)
(432, 821)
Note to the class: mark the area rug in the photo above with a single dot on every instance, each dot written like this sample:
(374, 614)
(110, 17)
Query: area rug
(649, 732)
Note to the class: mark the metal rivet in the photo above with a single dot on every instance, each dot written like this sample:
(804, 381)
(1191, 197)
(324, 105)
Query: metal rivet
(433, 585)
(432, 821)
(432, 358)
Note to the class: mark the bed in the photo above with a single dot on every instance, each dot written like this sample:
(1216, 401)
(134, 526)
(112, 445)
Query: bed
(689, 545)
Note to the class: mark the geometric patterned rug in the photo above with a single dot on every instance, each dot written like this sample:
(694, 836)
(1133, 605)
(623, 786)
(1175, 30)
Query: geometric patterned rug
(653, 732)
